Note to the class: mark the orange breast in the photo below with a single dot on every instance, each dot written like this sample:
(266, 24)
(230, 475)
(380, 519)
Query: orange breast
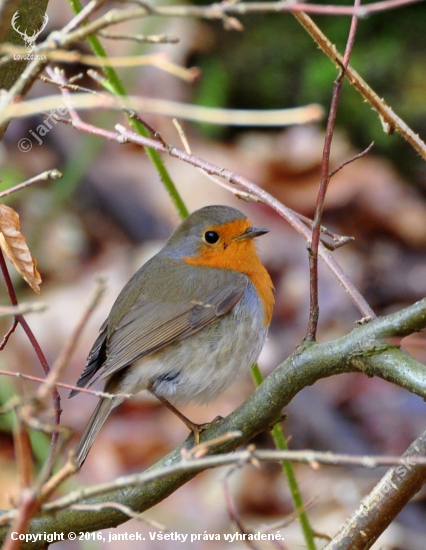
(238, 255)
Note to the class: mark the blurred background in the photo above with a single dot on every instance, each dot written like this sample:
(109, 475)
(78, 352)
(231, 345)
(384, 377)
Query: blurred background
(110, 213)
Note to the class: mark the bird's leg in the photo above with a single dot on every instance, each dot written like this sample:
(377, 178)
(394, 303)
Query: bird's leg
(196, 429)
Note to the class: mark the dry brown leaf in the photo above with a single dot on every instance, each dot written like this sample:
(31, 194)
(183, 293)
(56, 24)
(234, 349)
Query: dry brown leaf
(13, 243)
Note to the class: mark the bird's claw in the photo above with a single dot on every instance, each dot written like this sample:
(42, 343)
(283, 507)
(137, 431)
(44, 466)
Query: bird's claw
(197, 429)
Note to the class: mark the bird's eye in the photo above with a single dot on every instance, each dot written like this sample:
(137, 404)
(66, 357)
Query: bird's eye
(211, 237)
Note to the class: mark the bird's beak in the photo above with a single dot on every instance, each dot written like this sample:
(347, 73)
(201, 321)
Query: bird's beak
(251, 233)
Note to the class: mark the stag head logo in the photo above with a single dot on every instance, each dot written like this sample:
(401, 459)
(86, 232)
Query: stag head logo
(29, 40)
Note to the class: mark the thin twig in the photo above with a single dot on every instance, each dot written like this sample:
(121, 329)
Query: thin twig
(203, 448)
(22, 309)
(158, 60)
(124, 135)
(28, 506)
(323, 186)
(219, 11)
(36, 346)
(235, 517)
(69, 469)
(352, 159)
(183, 111)
(244, 8)
(338, 240)
(288, 520)
(22, 448)
(391, 122)
(96, 393)
(280, 442)
(251, 188)
(68, 85)
(238, 193)
(9, 333)
(152, 39)
(238, 457)
(133, 115)
(44, 176)
(307, 365)
(65, 355)
(81, 17)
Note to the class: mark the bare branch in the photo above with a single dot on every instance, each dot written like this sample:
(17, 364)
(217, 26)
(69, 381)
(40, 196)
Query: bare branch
(390, 120)
(263, 407)
(44, 176)
(378, 509)
(22, 309)
(152, 39)
(64, 357)
(197, 464)
(95, 393)
(182, 111)
(323, 186)
(352, 159)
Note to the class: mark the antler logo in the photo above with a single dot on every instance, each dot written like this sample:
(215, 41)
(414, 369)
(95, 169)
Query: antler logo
(29, 40)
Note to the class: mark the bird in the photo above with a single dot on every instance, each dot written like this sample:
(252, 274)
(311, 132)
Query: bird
(188, 324)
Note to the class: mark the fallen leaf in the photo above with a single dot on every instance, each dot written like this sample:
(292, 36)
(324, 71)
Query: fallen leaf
(13, 243)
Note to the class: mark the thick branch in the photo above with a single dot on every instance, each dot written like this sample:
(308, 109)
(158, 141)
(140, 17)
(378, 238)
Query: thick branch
(378, 509)
(30, 15)
(365, 349)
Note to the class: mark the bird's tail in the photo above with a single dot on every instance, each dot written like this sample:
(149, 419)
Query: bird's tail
(95, 423)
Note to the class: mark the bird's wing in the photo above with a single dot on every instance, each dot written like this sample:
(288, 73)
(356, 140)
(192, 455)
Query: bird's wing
(150, 326)
(95, 359)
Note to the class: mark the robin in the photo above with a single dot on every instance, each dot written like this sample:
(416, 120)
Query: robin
(189, 323)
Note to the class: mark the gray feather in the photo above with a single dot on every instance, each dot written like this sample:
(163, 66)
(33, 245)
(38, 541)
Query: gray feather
(100, 414)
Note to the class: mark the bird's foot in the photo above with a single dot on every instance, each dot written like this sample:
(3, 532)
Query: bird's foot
(198, 429)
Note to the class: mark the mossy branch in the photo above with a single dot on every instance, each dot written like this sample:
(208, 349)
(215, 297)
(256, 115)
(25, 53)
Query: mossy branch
(366, 349)
(30, 13)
